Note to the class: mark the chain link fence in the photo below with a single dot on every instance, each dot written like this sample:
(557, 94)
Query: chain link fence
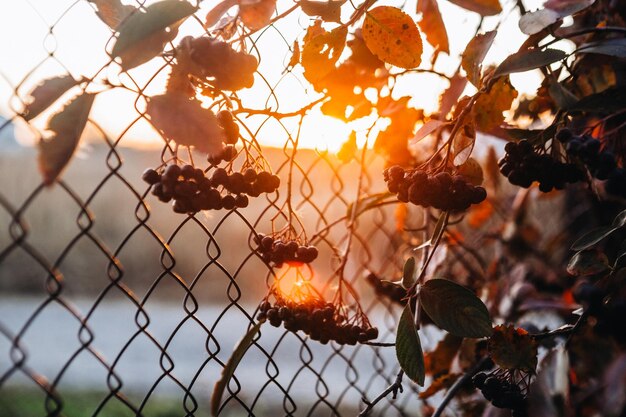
(111, 304)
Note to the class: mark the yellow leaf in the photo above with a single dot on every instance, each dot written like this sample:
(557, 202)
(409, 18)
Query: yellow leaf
(489, 107)
(321, 51)
(393, 37)
(432, 25)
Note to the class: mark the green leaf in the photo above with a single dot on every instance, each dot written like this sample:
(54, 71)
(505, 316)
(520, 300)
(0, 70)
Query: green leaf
(231, 365)
(588, 262)
(620, 220)
(529, 59)
(67, 127)
(607, 101)
(612, 47)
(455, 309)
(592, 237)
(408, 273)
(143, 35)
(45, 94)
(409, 349)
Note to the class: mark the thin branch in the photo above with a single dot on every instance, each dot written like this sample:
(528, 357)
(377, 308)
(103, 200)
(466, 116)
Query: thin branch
(277, 115)
(391, 389)
(457, 386)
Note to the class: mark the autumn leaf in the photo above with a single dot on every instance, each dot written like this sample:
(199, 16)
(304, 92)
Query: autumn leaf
(471, 171)
(482, 7)
(513, 348)
(439, 360)
(328, 11)
(528, 59)
(45, 94)
(112, 12)
(217, 12)
(321, 51)
(441, 383)
(66, 127)
(487, 111)
(143, 35)
(479, 214)
(463, 144)
(185, 122)
(535, 22)
(432, 25)
(256, 14)
(451, 95)
(474, 54)
(393, 37)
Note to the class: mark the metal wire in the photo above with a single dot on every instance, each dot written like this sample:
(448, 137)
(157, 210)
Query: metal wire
(98, 244)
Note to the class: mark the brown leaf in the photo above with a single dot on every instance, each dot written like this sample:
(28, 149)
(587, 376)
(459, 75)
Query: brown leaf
(392, 36)
(472, 171)
(215, 14)
(492, 170)
(488, 109)
(439, 384)
(439, 360)
(45, 94)
(295, 55)
(479, 214)
(463, 144)
(553, 10)
(112, 12)
(450, 97)
(432, 25)
(426, 129)
(256, 14)
(474, 54)
(321, 51)
(328, 11)
(185, 122)
(482, 7)
(67, 127)
(513, 348)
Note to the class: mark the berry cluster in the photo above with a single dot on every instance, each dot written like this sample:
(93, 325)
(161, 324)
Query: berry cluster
(501, 393)
(192, 191)
(227, 123)
(320, 320)
(600, 163)
(523, 166)
(227, 154)
(229, 69)
(394, 292)
(442, 191)
(277, 251)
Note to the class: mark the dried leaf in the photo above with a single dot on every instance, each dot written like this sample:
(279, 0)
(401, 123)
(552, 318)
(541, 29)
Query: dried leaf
(588, 262)
(112, 12)
(474, 54)
(321, 51)
(67, 127)
(463, 144)
(441, 383)
(45, 94)
(513, 348)
(592, 237)
(482, 7)
(451, 96)
(472, 171)
(185, 122)
(432, 25)
(553, 10)
(295, 55)
(231, 366)
(328, 11)
(529, 59)
(439, 360)
(143, 35)
(480, 214)
(256, 14)
(217, 12)
(487, 111)
(426, 129)
(393, 37)
(409, 348)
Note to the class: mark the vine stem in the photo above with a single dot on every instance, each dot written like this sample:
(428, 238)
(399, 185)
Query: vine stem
(457, 386)
(391, 389)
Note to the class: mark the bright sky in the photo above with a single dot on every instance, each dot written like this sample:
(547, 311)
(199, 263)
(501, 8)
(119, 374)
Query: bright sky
(78, 38)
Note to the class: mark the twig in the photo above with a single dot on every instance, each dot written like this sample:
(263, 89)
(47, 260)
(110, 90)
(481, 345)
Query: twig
(277, 115)
(457, 386)
(391, 389)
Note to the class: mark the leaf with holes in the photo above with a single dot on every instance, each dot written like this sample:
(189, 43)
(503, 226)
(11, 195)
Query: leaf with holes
(143, 35)
(592, 237)
(231, 366)
(409, 349)
(474, 54)
(328, 11)
(432, 25)
(256, 14)
(553, 10)
(45, 94)
(393, 37)
(513, 348)
(185, 122)
(487, 112)
(588, 262)
(67, 127)
(455, 309)
(529, 59)
(112, 12)
(321, 50)
(482, 7)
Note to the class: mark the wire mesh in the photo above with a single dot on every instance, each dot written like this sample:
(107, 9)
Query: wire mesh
(111, 302)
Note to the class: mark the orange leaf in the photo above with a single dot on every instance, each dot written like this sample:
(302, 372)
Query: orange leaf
(474, 54)
(393, 37)
(256, 14)
(482, 7)
(321, 51)
(442, 383)
(432, 25)
(328, 11)
(463, 144)
(489, 107)
(438, 361)
(112, 12)
(480, 213)
(401, 215)
(513, 348)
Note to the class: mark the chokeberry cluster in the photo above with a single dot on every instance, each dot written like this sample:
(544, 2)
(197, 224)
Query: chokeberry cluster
(501, 392)
(320, 320)
(523, 165)
(277, 251)
(601, 164)
(393, 292)
(227, 123)
(248, 182)
(442, 190)
(218, 61)
(227, 154)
